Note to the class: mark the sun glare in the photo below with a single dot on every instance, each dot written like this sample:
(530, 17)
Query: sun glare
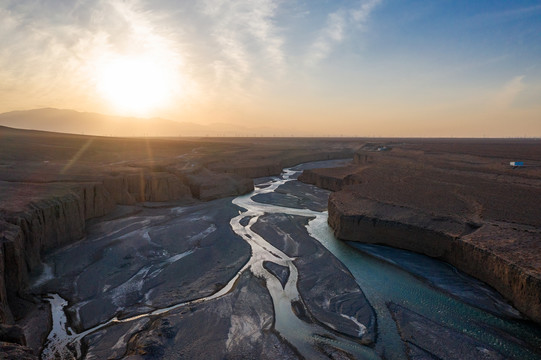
(136, 85)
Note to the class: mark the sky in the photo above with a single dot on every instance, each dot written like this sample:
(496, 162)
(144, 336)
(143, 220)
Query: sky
(333, 68)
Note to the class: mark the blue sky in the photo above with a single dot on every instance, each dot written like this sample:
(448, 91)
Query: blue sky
(367, 67)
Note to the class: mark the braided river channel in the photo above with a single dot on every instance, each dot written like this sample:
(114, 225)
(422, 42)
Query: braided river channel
(262, 276)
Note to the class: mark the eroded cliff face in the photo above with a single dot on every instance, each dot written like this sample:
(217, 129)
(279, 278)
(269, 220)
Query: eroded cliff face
(490, 254)
(329, 179)
(208, 185)
(27, 232)
(471, 212)
(57, 216)
(5, 312)
(487, 253)
(397, 226)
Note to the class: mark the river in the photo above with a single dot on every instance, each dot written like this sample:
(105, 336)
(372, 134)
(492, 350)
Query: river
(402, 288)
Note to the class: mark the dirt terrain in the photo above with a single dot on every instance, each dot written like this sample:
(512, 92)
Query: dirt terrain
(457, 200)
(52, 184)
(454, 199)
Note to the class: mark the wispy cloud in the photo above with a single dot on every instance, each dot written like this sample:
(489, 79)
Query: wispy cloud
(361, 14)
(247, 38)
(338, 24)
(50, 51)
(332, 34)
(39, 49)
(512, 14)
(508, 93)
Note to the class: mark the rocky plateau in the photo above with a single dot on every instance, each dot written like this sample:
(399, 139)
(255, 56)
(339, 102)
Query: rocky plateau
(458, 200)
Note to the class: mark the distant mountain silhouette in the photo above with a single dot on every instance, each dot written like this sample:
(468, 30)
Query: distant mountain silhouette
(75, 122)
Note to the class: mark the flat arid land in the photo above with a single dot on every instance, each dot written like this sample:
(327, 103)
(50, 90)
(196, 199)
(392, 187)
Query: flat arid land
(210, 248)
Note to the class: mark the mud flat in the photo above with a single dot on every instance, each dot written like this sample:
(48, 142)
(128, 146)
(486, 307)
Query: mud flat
(456, 200)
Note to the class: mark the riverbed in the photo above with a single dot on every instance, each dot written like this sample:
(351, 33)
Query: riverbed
(262, 276)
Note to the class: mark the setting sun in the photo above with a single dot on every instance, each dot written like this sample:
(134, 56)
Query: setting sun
(136, 85)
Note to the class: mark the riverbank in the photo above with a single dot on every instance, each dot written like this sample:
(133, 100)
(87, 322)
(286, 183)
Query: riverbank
(456, 200)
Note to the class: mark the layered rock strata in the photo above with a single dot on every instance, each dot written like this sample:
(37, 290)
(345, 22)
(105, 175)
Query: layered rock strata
(472, 211)
(488, 253)
(52, 215)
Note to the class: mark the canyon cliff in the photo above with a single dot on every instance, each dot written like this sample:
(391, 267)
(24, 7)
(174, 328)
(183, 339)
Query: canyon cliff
(458, 200)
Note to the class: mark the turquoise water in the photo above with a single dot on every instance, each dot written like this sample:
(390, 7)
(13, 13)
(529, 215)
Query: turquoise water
(384, 282)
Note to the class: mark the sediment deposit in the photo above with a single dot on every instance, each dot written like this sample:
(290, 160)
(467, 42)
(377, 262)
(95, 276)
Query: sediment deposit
(456, 200)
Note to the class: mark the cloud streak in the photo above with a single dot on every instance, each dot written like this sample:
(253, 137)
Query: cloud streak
(246, 37)
(332, 34)
(338, 24)
(508, 93)
(52, 50)
(508, 15)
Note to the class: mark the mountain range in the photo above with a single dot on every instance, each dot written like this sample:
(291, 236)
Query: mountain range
(75, 122)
